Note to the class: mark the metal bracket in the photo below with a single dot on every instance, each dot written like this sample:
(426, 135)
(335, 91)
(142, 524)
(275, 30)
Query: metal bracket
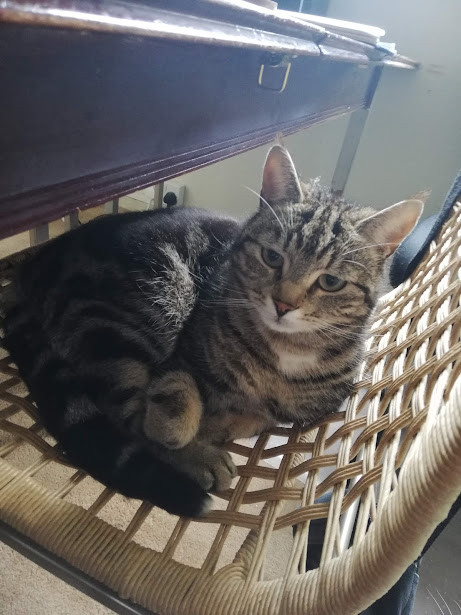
(271, 62)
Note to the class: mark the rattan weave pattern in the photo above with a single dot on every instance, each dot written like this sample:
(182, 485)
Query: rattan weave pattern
(390, 461)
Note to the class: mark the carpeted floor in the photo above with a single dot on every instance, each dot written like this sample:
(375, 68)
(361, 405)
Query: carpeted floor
(27, 589)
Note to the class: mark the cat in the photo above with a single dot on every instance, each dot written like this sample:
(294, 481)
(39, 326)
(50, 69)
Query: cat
(149, 339)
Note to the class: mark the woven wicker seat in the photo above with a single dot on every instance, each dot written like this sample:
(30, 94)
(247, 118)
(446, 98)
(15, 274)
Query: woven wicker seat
(389, 462)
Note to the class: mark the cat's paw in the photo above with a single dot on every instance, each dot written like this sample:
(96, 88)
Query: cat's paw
(214, 470)
(211, 467)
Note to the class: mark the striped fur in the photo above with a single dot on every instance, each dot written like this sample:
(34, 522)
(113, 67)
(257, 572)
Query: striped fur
(149, 339)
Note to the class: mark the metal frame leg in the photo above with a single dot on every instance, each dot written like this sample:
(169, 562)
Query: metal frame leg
(111, 207)
(72, 220)
(40, 234)
(354, 132)
(351, 141)
(157, 201)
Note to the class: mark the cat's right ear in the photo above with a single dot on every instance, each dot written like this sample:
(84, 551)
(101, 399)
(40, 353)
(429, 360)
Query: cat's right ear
(389, 227)
(280, 180)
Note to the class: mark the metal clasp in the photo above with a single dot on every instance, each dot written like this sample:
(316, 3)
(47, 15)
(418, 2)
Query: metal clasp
(275, 61)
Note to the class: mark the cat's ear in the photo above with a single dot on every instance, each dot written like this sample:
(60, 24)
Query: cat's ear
(389, 227)
(280, 180)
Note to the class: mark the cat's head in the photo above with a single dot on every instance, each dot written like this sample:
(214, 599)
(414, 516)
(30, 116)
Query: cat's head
(307, 259)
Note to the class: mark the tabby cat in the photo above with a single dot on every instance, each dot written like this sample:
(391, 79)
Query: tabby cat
(149, 339)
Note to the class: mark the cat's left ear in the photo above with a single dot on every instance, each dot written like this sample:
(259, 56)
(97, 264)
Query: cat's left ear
(389, 227)
(280, 180)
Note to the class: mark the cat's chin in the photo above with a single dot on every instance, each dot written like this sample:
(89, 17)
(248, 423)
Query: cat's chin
(287, 324)
(283, 327)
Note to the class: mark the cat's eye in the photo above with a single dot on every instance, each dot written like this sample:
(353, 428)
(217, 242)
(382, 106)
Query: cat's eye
(272, 258)
(331, 283)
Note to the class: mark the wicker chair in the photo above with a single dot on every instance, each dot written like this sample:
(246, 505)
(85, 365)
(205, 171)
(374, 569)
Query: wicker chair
(389, 462)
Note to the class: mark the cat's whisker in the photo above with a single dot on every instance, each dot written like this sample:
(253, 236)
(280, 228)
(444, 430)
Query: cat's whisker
(242, 306)
(233, 291)
(284, 217)
(351, 337)
(371, 245)
(356, 263)
(195, 276)
(344, 334)
(230, 288)
(218, 240)
(435, 600)
(348, 334)
(338, 326)
(235, 302)
(266, 203)
(324, 333)
(445, 602)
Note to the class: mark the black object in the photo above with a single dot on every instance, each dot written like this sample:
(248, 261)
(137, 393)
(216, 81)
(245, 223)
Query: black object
(170, 199)
(413, 248)
(400, 598)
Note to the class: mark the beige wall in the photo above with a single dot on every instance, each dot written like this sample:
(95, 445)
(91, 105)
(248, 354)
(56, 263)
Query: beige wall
(412, 140)
(223, 186)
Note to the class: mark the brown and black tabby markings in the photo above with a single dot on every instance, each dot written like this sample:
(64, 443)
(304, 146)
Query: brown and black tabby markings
(149, 339)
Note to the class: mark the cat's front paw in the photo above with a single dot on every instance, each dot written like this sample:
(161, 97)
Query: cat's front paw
(213, 469)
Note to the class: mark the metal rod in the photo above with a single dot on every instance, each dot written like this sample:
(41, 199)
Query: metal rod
(111, 207)
(349, 148)
(68, 573)
(40, 234)
(354, 132)
(72, 220)
(158, 197)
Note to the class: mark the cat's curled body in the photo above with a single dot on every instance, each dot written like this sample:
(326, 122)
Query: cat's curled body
(149, 339)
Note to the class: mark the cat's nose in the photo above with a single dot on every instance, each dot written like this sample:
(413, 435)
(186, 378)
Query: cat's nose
(283, 308)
